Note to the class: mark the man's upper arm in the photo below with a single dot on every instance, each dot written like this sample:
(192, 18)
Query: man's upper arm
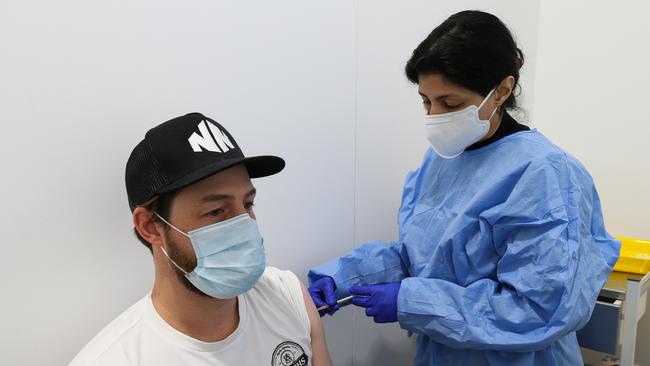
(320, 353)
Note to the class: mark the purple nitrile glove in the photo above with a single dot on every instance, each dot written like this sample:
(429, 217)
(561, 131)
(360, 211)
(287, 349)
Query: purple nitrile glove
(380, 301)
(322, 292)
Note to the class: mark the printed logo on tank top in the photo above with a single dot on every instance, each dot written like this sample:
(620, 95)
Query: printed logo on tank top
(289, 354)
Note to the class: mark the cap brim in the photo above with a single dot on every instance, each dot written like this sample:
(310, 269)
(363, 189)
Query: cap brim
(257, 166)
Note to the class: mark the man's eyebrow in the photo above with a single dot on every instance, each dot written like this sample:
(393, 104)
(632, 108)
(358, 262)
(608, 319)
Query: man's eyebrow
(217, 197)
(225, 197)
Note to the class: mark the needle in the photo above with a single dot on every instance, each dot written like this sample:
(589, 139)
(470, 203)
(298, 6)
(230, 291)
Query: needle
(342, 302)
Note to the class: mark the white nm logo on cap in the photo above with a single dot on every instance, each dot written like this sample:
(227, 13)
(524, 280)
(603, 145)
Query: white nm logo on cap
(213, 140)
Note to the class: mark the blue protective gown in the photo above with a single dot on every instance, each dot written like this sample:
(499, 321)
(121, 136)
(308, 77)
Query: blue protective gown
(502, 252)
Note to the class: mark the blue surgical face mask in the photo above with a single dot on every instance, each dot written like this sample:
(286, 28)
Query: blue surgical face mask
(229, 256)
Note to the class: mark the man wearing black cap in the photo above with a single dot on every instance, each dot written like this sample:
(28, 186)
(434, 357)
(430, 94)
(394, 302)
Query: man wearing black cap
(214, 301)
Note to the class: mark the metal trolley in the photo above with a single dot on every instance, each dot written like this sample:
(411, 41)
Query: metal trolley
(612, 328)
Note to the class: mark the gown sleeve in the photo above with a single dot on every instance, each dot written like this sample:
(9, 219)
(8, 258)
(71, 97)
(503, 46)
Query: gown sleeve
(370, 263)
(376, 261)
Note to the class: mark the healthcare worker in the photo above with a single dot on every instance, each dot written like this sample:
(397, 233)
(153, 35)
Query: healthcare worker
(502, 248)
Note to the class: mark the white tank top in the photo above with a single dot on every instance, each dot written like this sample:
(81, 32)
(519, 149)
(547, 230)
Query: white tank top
(273, 330)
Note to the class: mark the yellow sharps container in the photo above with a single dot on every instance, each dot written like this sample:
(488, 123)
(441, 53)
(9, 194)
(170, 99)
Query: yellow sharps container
(635, 256)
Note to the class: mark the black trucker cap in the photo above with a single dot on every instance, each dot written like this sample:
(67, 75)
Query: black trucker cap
(183, 151)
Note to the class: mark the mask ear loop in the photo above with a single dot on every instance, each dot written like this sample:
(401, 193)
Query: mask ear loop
(483, 103)
(163, 248)
(170, 225)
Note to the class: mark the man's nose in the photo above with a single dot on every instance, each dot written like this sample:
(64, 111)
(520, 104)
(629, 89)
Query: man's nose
(239, 210)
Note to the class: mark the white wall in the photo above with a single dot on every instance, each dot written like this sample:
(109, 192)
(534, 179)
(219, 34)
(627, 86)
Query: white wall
(319, 83)
(591, 98)
(82, 82)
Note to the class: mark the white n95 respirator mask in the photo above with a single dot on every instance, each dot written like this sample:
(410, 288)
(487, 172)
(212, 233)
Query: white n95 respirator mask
(451, 133)
(229, 256)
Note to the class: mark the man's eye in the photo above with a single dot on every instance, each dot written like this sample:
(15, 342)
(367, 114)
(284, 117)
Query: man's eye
(215, 212)
(249, 205)
(452, 106)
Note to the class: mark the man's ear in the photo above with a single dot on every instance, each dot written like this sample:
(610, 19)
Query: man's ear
(147, 226)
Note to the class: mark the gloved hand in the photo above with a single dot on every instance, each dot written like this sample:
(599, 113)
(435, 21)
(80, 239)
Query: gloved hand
(380, 301)
(322, 292)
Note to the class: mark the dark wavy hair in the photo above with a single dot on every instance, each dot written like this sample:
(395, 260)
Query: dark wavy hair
(472, 49)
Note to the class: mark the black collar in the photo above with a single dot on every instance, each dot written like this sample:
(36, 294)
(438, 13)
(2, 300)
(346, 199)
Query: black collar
(507, 127)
